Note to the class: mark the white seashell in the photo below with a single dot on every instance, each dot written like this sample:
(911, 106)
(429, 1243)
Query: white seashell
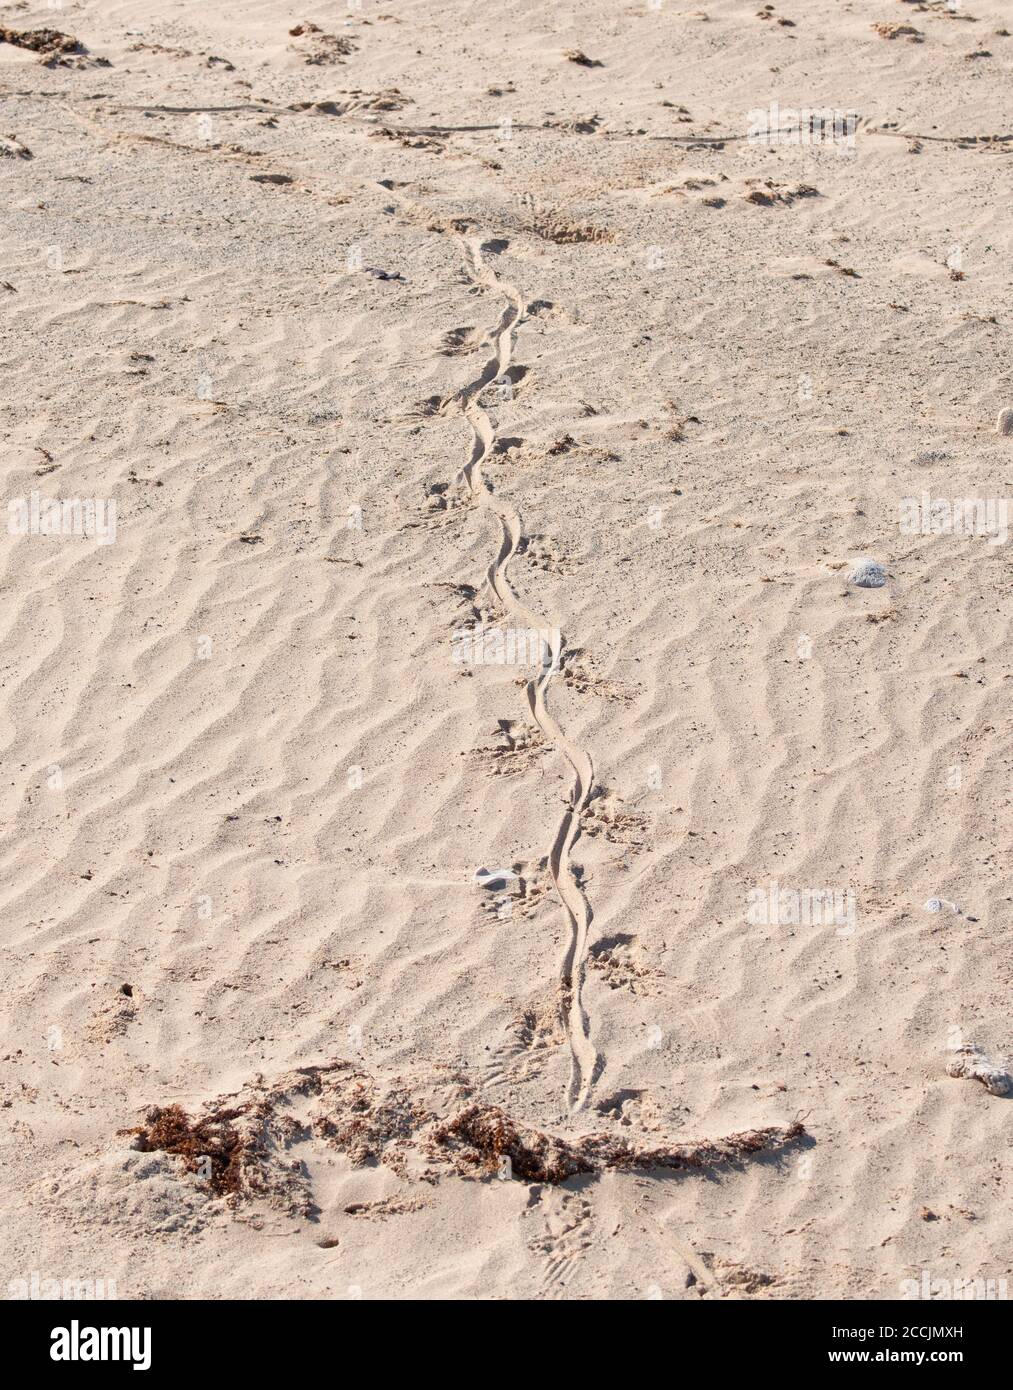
(868, 574)
(494, 878)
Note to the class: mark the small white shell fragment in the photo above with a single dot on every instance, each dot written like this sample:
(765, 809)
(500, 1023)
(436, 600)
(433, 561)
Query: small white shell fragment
(868, 574)
(1004, 424)
(937, 905)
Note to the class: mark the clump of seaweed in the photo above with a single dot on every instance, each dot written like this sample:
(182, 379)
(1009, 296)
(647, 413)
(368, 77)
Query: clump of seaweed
(210, 1146)
(238, 1150)
(480, 1137)
(46, 41)
(367, 1122)
(240, 1146)
(55, 50)
(706, 1153)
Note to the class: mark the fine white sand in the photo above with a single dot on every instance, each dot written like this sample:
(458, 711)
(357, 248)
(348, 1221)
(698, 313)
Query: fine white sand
(411, 325)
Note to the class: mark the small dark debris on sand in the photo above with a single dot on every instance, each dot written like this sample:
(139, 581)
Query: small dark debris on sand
(899, 31)
(12, 148)
(323, 48)
(562, 445)
(574, 55)
(772, 194)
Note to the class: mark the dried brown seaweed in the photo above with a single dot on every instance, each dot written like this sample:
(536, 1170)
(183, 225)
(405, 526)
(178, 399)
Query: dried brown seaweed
(210, 1146)
(480, 1137)
(40, 40)
(239, 1145)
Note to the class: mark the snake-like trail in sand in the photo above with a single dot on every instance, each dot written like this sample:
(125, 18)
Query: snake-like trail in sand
(584, 1059)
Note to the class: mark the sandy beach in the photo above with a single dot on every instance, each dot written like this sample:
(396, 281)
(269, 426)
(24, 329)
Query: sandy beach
(506, 669)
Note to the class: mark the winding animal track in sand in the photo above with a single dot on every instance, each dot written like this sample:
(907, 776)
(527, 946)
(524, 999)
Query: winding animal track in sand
(584, 1058)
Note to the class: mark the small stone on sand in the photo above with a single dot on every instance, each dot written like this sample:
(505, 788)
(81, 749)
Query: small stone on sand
(868, 574)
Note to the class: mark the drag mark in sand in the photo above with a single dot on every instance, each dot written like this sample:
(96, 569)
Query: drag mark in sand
(584, 1062)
